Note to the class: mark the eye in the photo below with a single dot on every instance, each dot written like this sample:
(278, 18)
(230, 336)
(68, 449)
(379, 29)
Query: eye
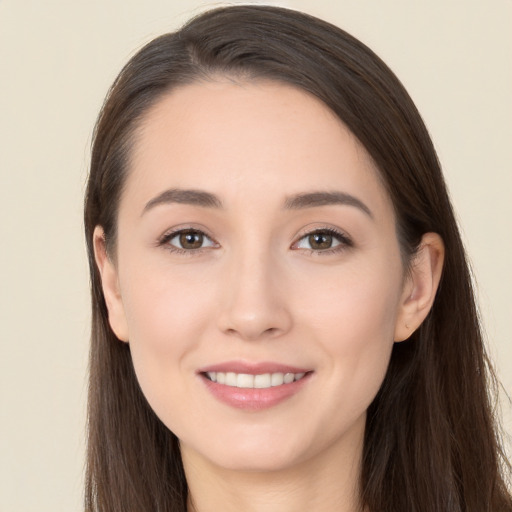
(187, 240)
(323, 240)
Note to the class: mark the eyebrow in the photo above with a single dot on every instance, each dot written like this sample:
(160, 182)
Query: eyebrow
(184, 196)
(295, 202)
(314, 199)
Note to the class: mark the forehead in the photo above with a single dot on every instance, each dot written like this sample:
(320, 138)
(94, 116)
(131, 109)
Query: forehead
(266, 138)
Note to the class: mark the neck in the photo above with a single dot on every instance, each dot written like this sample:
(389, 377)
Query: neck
(329, 482)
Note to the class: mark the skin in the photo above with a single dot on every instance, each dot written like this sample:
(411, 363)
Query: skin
(256, 291)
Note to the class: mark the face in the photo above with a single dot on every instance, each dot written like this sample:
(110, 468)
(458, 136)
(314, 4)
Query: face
(258, 277)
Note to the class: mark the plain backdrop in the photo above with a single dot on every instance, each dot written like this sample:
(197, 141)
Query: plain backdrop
(57, 59)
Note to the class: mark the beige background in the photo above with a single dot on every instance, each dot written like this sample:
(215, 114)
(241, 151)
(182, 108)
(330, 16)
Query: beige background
(57, 59)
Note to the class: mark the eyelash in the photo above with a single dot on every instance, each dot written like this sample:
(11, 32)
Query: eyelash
(167, 237)
(344, 241)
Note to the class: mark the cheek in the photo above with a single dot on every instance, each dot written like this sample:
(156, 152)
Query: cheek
(355, 305)
(167, 317)
(162, 306)
(353, 319)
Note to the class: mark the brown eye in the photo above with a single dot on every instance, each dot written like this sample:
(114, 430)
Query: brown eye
(191, 239)
(323, 240)
(187, 240)
(319, 241)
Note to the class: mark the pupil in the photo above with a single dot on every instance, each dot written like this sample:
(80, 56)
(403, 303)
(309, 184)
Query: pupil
(191, 240)
(320, 241)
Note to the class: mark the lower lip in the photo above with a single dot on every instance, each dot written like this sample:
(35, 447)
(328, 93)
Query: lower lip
(251, 399)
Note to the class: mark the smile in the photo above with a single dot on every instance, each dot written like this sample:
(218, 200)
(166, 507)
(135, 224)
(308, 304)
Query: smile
(254, 386)
(259, 381)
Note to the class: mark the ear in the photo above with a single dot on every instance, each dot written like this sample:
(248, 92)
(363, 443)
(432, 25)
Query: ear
(420, 286)
(110, 285)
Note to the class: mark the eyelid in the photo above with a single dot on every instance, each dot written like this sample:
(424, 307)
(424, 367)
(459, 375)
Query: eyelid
(345, 241)
(163, 241)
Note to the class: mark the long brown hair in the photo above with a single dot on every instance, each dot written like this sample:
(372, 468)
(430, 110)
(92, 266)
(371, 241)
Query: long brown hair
(431, 443)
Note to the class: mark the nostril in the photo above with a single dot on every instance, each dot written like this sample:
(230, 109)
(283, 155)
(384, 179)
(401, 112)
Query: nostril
(254, 333)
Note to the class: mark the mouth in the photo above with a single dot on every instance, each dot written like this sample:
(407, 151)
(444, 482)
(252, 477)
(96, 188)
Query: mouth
(254, 387)
(250, 381)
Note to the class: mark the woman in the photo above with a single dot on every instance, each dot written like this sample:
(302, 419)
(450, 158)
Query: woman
(283, 316)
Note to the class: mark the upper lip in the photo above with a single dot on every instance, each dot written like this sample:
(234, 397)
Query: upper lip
(253, 368)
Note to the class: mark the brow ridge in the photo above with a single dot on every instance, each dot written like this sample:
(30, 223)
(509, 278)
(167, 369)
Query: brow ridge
(295, 202)
(184, 196)
(315, 199)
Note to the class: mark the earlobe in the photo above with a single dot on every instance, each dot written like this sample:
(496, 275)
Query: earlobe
(421, 286)
(110, 285)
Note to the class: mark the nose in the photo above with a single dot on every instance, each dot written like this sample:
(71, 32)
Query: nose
(254, 302)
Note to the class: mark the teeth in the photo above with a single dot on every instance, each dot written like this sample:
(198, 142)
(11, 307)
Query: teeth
(244, 381)
(231, 379)
(288, 378)
(260, 381)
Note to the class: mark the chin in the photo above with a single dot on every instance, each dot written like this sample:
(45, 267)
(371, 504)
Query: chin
(248, 454)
